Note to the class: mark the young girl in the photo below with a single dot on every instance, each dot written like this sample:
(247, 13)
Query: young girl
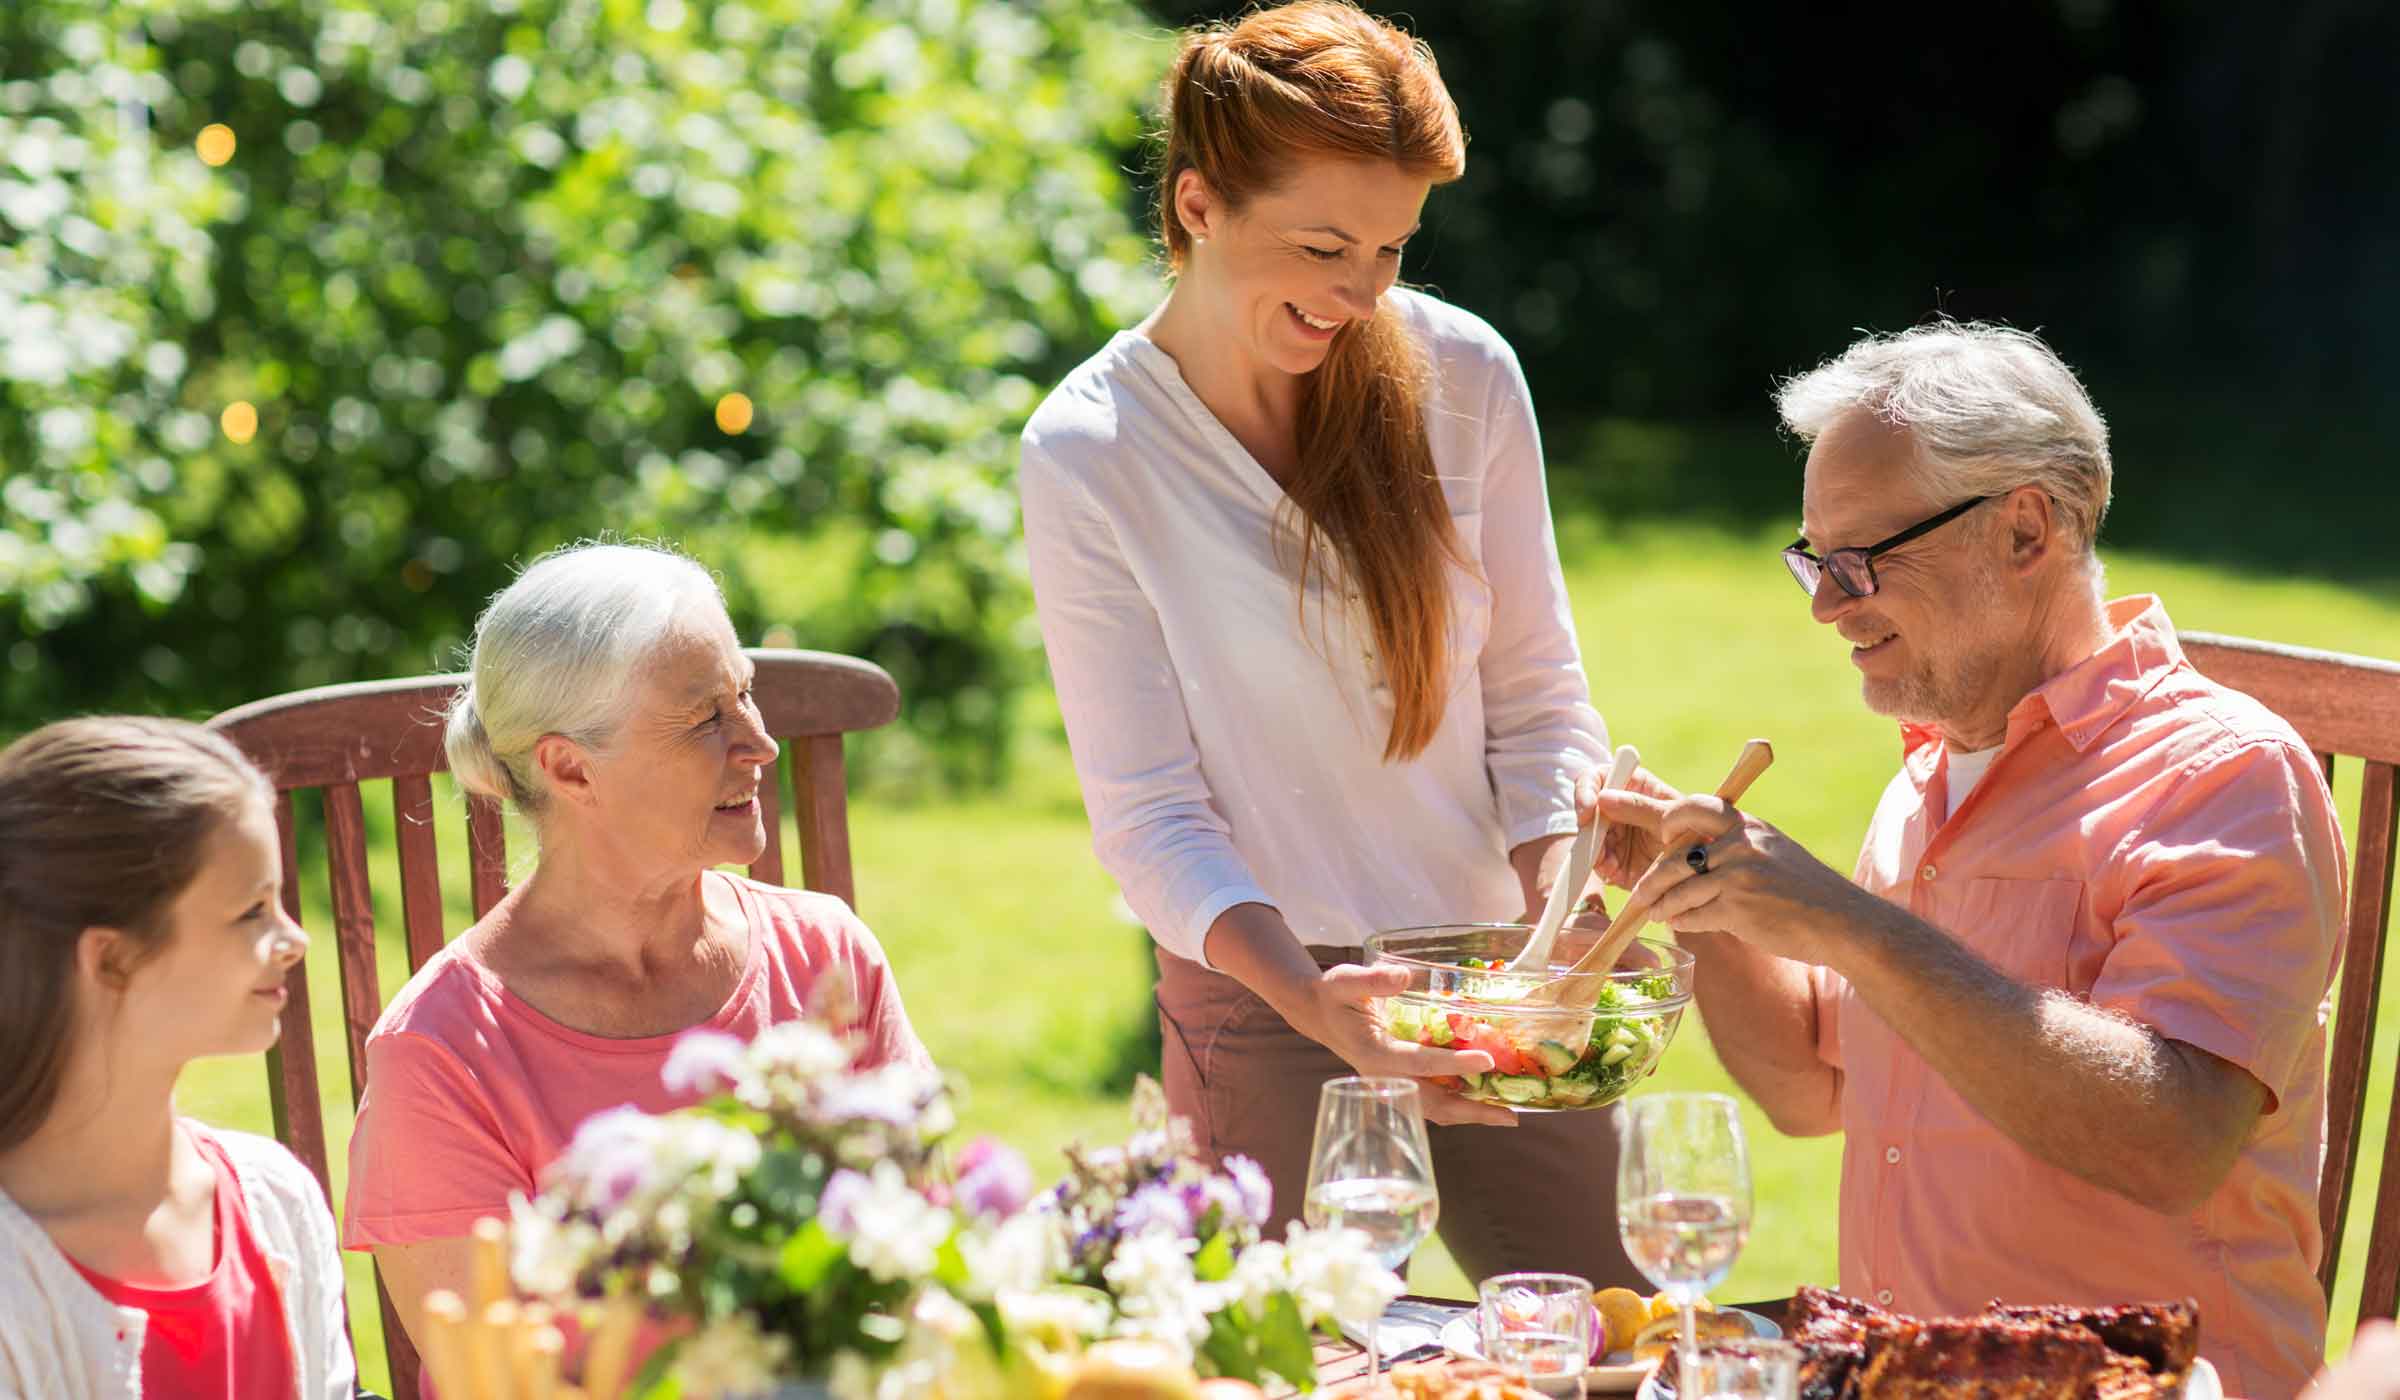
(142, 1253)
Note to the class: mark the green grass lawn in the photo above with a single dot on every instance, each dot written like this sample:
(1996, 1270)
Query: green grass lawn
(1027, 981)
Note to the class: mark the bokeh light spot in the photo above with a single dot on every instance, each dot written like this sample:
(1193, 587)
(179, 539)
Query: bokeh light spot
(734, 413)
(239, 420)
(214, 143)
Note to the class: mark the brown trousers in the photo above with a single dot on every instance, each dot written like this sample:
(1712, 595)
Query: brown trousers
(1541, 1195)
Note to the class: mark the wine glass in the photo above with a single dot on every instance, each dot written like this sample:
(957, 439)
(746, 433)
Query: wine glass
(1371, 1170)
(1683, 1196)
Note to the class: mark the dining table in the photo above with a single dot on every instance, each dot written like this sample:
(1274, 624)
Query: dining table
(1340, 1359)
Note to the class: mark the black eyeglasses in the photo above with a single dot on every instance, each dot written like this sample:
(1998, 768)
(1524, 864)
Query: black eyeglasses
(1854, 569)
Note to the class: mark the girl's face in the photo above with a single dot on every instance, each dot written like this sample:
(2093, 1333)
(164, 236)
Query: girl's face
(1290, 269)
(216, 987)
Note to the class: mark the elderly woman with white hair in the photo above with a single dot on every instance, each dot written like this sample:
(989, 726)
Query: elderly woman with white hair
(609, 703)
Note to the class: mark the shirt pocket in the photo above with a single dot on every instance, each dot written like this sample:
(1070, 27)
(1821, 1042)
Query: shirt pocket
(2023, 927)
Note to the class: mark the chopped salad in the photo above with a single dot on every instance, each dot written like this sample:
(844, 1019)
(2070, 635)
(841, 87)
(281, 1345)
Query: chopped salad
(1532, 1067)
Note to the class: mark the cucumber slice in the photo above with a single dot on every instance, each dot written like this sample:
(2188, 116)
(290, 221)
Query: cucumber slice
(1556, 1058)
(1516, 1088)
(1439, 1025)
(1616, 1055)
(1471, 1083)
(1568, 1093)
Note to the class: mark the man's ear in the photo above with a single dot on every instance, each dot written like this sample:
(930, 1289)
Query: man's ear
(1197, 206)
(565, 766)
(2029, 520)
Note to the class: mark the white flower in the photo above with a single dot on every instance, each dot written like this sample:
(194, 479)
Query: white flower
(1021, 1253)
(545, 1251)
(1336, 1276)
(799, 1050)
(730, 1357)
(1057, 1319)
(943, 1352)
(1157, 1294)
(893, 1232)
(1260, 1272)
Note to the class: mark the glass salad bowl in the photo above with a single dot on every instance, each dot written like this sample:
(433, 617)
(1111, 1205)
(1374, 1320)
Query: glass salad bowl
(1545, 1057)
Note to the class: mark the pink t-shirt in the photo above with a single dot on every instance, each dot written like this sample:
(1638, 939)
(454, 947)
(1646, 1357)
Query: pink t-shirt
(471, 1091)
(2159, 846)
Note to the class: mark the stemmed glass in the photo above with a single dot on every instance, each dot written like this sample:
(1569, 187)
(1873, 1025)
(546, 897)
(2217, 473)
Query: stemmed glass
(1371, 1170)
(1683, 1196)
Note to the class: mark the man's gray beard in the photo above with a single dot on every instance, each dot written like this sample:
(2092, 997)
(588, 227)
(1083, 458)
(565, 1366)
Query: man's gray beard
(1933, 700)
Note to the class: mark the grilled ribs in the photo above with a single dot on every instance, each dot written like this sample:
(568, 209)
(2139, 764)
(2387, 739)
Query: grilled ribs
(1949, 1358)
(1853, 1350)
(2165, 1337)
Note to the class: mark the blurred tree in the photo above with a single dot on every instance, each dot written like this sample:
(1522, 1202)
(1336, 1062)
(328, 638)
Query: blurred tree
(316, 316)
(1664, 205)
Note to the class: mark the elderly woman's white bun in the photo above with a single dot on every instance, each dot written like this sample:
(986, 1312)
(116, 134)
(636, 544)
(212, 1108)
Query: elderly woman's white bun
(473, 762)
(555, 653)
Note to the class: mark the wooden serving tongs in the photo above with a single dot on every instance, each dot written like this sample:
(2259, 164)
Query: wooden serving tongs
(1579, 986)
(503, 1350)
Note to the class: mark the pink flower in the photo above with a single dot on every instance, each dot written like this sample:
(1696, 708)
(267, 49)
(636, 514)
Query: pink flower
(702, 1062)
(993, 1181)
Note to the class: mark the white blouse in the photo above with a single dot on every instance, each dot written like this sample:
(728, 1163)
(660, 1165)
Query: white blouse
(1228, 754)
(59, 1336)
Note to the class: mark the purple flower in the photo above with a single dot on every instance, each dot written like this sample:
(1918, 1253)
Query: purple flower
(612, 1155)
(993, 1181)
(1258, 1193)
(837, 1205)
(702, 1062)
(1155, 1207)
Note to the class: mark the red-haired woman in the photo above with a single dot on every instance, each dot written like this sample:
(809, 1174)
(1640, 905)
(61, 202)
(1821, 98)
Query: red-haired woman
(143, 1253)
(1292, 554)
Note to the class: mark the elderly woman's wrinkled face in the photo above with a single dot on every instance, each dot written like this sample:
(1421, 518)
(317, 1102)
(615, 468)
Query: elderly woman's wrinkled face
(681, 782)
(1935, 634)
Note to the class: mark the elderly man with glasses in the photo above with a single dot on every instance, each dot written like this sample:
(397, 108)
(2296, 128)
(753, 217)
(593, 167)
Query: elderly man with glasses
(2069, 1009)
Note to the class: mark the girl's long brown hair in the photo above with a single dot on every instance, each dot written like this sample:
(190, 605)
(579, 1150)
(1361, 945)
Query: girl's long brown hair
(1321, 78)
(103, 822)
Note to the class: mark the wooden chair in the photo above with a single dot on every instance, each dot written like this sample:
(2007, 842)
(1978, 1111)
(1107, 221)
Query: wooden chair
(336, 737)
(2347, 706)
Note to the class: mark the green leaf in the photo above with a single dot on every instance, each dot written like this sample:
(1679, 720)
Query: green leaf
(1214, 1262)
(809, 1256)
(1283, 1342)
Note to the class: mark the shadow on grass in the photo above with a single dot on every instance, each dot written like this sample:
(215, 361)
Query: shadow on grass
(2281, 490)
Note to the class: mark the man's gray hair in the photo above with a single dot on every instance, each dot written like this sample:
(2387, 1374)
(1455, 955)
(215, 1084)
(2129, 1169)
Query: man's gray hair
(1989, 407)
(556, 652)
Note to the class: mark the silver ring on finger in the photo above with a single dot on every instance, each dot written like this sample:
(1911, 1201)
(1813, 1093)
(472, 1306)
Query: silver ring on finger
(1697, 859)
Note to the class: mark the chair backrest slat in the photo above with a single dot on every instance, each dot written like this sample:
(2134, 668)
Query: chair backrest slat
(487, 853)
(2354, 1019)
(2379, 1292)
(2342, 706)
(292, 1060)
(353, 923)
(822, 807)
(420, 866)
(337, 737)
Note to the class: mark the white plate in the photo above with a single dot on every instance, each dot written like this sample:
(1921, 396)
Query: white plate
(1613, 1374)
(2202, 1384)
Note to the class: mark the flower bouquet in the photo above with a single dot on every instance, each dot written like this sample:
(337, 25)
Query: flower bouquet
(802, 1223)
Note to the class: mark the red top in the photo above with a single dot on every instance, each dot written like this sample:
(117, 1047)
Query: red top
(223, 1337)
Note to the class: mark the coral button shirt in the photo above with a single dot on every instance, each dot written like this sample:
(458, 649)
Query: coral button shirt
(2160, 846)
